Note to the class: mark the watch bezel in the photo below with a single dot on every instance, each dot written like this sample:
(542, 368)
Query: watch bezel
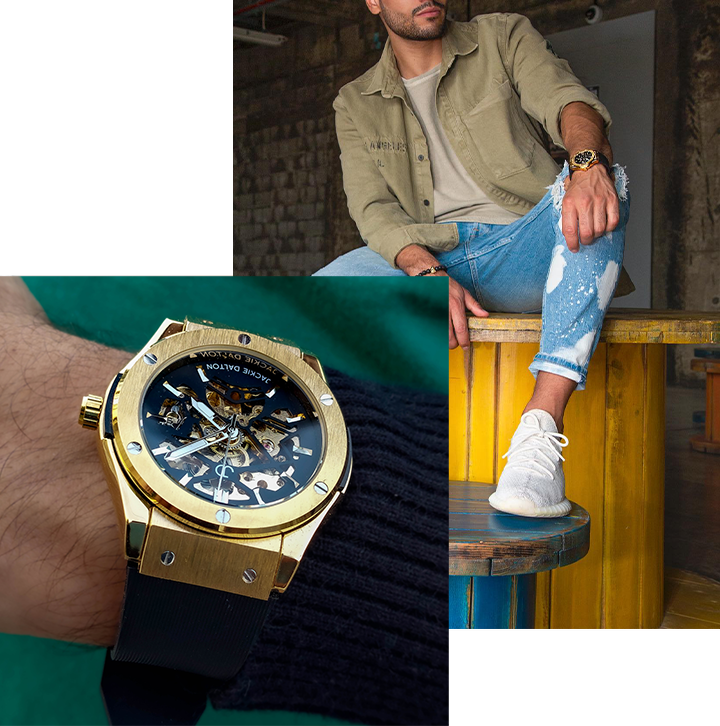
(157, 486)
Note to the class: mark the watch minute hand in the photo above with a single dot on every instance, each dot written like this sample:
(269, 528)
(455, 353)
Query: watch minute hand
(213, 438)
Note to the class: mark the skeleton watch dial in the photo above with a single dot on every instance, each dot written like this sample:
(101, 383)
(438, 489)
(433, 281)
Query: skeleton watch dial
(232, 428)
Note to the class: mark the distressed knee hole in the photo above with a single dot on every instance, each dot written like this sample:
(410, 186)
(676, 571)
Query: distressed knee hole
(557, 269)
(606, 284)
(557, 189)
(621, 182)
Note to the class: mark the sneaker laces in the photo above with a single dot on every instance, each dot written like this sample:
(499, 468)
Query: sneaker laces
(547, 444)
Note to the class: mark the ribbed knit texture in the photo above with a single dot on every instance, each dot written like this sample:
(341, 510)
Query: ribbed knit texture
(362, 632)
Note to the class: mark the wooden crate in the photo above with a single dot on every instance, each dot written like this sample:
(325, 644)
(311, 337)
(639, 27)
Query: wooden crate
(615, 461)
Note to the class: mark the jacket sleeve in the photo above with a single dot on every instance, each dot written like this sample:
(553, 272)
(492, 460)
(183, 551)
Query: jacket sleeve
(544, 82)
(382, 222)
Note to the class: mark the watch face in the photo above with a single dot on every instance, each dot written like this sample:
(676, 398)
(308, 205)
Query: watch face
(583, 158)
(232, 428)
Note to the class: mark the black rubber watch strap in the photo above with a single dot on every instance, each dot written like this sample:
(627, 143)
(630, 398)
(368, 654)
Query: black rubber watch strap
(176, 641)
(186, 627)
(140, 695)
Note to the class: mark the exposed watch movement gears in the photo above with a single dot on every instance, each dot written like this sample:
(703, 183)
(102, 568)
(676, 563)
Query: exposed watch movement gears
(232, 428)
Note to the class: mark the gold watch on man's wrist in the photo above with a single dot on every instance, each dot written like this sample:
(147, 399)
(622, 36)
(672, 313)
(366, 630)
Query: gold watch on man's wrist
(224, 451)
(586, 159)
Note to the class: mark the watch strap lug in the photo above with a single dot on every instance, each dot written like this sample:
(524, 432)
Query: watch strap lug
(132, 512)
(209, 561)
(315, 364)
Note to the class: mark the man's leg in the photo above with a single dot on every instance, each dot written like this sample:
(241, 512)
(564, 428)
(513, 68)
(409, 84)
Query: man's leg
(552, 393)
(362, 262)
(576, 291)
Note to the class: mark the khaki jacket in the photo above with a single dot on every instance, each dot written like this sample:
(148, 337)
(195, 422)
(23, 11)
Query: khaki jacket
(501, 88)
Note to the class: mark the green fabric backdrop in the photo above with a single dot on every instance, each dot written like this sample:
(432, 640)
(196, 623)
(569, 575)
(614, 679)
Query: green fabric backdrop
(391, 330)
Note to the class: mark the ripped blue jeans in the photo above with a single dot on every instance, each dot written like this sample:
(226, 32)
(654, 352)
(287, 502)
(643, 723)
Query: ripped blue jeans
(526, 267)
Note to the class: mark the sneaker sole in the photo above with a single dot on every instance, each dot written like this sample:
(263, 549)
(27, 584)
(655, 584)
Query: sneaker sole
(525, 508)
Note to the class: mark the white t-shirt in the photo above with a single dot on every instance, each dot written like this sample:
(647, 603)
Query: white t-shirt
(457, 197)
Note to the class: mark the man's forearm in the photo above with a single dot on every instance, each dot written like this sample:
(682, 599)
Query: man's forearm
(583, 127)
(61, 566)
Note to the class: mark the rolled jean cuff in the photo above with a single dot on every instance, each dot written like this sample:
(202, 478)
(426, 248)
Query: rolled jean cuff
(564, 368)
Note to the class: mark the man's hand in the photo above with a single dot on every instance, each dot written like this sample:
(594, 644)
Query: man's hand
(414, 259)
(460, 301)
(590, 207)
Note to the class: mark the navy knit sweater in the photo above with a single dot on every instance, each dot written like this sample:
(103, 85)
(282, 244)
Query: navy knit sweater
(362, 632)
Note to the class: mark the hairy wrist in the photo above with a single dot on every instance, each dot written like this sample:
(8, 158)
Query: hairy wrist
(60, 557)
(414, 259)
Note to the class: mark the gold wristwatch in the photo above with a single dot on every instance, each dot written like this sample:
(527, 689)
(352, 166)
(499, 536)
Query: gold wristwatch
(224, 451)
(586, 159)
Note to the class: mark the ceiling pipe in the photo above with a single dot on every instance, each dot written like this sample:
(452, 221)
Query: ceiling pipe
(254, 36)
(257, 37)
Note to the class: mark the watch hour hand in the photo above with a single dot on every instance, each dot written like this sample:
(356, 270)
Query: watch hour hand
(202, 408)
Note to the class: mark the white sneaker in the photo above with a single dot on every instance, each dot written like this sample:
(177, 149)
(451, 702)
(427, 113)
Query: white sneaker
(532, 483)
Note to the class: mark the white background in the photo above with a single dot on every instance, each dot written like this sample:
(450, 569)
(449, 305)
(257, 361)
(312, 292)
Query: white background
(115, 158)
(115, 133)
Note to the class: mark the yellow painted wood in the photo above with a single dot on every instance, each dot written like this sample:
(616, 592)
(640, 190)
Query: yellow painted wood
(515, 386)
(576, 590)
(458, 424)
(483, 393)
(615, 461)
(651, 563)
(624, 486)
(622, 325)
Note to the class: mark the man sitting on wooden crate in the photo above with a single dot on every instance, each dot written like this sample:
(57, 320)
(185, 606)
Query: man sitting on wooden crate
(444, 151)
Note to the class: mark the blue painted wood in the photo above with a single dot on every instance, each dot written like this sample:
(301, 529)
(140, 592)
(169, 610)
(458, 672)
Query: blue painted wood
(486, 541)
(460, 598)
(494, 557)
(525, 616)
(493, 604)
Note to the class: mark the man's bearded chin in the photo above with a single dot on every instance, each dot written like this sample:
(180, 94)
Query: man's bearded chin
(409, 28)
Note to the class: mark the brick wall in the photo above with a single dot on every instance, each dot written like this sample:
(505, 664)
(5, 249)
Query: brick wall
(290, 213)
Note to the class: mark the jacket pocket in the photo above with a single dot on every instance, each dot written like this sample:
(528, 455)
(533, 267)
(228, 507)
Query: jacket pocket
(499, 133)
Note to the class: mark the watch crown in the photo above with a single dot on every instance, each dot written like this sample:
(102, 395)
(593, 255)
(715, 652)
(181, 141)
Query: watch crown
(90, 412)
